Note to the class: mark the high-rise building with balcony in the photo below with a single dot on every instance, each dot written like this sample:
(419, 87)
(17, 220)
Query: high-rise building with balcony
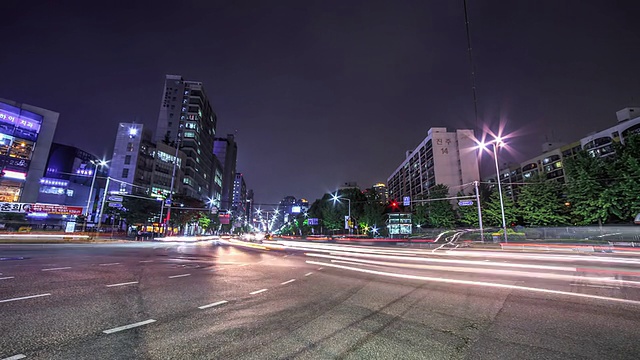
(186, 116)
(226, 150)
(448, 158)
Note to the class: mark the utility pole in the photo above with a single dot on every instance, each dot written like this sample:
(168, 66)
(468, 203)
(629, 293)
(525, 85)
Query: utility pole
(173, 175)
(104, 199)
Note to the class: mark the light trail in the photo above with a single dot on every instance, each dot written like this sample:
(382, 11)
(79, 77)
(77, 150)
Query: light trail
(478, 283)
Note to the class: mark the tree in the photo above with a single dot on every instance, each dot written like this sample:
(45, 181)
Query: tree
(540, 203)
(373, 211)
(468, 215)
(137, 210)
(420, 215)
(586, 189)
(624, 180)
(491, 212)
(183, 210)
(441, 214)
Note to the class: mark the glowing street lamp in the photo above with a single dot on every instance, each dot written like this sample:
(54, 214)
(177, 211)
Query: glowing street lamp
(335, 198)
(497, 142)
(95, 163)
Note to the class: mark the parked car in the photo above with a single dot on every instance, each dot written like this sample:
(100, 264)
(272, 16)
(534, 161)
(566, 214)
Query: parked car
(637, 220)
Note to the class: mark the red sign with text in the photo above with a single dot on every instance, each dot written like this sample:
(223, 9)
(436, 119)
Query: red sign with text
(56, 209)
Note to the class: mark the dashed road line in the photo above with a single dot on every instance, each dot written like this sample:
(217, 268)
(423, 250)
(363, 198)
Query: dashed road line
(177, 276)
(7, 277)
(213, 304)
(109, 264)
(24, 298)
(257, 291)
(58, 268)
(127, 327)
(243, 264)
(309, 273)
(288, 282)
(124, 283)
(320, 268)
(15, 357)
(146, 261)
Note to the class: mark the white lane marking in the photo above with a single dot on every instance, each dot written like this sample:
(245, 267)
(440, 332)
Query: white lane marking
(257, 291)
(59, 268)
(597, 286)
(309, 273)
(15, 357)
(7, 277)
(108, 264)
(177, 276)
(288, 282)
(213, 304)
(478, 283)
(243, 265)
(24, 298)
(320, 268)
(130, 326)
(121, 284)
(146, 261)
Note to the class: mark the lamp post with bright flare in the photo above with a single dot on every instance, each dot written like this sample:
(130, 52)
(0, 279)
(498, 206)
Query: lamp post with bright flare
(95, 163)
(498, 142)
(334, 198)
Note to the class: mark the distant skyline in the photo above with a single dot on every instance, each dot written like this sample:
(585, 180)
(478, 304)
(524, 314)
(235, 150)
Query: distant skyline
(320, 93)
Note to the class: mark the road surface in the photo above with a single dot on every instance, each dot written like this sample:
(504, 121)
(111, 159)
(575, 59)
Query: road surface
(313, 301)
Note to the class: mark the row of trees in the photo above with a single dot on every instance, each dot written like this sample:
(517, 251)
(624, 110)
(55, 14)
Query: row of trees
(598, 190)
(143, 211)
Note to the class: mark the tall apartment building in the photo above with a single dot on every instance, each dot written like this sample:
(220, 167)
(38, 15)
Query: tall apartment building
(26, 133)
(226, 150)
(381, 191)
(186, 116)
(448, 158)
(239, 203)
(550, 164)
(147, 165)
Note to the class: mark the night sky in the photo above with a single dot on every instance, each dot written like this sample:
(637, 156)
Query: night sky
(324, 92)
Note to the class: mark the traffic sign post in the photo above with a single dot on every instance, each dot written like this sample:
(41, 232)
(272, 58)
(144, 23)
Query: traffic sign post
(465, 202)
(406, 201)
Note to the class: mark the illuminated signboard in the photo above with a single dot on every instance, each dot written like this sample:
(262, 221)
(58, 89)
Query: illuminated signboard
(19, 121)
(14, 207)
(56, 209)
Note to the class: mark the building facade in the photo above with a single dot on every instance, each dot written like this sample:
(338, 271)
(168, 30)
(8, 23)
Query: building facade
(443, 157)
(226, 150)
(550, 164)
(140, 166)
(239, 203)
(186, 116)
(26, 134)
(69, 175)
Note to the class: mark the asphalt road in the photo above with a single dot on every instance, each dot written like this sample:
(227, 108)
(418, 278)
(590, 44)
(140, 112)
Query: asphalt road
(201, 301)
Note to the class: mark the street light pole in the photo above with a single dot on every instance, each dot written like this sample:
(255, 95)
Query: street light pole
(475, 183)
(173, 175)
(93, 181)
(104, 199)
(349, 222)
(495, 158)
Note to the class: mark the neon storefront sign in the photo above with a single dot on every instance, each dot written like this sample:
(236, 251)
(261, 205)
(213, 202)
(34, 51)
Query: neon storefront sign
(19, 121)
